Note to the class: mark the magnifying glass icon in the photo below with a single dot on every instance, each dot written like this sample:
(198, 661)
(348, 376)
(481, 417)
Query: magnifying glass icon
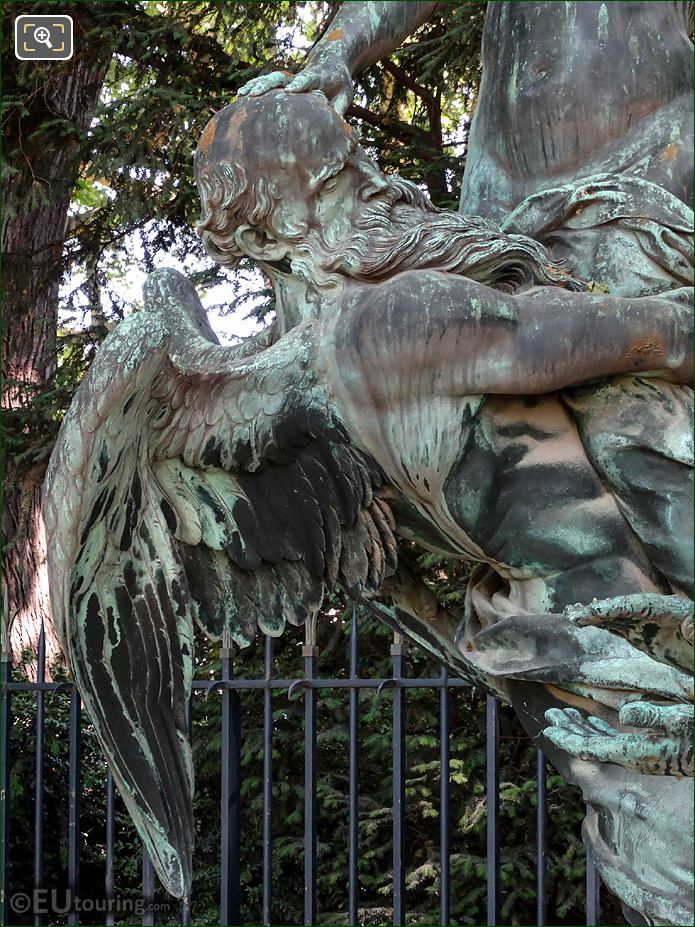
(42, 35)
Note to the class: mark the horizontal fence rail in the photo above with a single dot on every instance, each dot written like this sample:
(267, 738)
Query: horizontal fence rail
(230, 688)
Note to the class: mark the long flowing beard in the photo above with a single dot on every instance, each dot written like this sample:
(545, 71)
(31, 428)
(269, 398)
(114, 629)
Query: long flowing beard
(388, 239)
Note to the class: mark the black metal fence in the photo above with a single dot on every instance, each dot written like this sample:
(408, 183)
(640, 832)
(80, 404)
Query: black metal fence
(230, 849)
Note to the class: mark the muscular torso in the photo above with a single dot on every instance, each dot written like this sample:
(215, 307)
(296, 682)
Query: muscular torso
(503, 479)
(523, 490)
(507, 481)
(574, 88)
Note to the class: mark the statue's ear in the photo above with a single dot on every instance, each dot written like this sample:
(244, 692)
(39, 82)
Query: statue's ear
(258, 244)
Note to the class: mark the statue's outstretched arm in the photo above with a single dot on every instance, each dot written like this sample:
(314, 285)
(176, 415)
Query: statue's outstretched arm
(360, 34)
(427, 335)
(567, 338)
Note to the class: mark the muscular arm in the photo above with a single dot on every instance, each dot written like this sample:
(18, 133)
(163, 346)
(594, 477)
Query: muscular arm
(360, 34)
(363, 33)
(424, 335)
(568, 338)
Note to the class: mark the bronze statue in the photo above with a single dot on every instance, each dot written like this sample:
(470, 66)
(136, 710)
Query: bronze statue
(432, 376)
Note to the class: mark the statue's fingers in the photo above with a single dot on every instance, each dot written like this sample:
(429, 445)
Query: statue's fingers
(579, 614)
(556, 716)
(623, 613)
(569, 719)
(342, 100)
(600, 726)
(598, 615)
(259, 85)
(671, 719)
(640, 714)
(559, 737)
(574, 714)
(302, 83)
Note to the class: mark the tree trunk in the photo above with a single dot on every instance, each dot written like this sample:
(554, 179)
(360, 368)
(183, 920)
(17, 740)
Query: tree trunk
(44, 162)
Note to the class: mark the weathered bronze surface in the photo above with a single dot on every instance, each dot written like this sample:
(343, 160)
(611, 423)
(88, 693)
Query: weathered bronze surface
(433, 376)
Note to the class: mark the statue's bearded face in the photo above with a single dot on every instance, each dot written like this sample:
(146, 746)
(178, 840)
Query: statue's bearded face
(283, 180)
(368, 227)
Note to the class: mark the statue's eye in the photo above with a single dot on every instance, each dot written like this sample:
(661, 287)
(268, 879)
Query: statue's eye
(329, 185)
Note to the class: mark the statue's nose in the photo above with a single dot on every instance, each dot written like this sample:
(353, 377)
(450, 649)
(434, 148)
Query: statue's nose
(376, 181)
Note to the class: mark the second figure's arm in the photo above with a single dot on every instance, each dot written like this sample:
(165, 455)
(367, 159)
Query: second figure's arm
(360, 34)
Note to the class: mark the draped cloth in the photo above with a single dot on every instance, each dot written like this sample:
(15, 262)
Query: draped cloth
(627, 234)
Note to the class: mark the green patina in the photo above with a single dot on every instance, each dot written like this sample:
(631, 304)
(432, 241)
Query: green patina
(395, 398)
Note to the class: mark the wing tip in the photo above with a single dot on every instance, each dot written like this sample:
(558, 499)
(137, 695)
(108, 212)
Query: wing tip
(172, 866)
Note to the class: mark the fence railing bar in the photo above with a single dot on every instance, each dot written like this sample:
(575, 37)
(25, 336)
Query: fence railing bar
(541, 839)
(593, 888)
(493, 808)
(310, 654)
(398, 651)
(231, 787)
(147, 890)
(268, 787)
(353, 777)
(109, 877)
(39, 768)
(5, 767)
(74, 791)
(444, 789)
(186, 903)
(419, 682)
(230, 882)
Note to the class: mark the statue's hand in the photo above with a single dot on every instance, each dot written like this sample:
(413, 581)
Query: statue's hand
(328, 73)
(660, 625)
(666, 749)
(276, 80)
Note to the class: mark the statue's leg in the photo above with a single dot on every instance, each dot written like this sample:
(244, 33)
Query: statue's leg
(637, 434)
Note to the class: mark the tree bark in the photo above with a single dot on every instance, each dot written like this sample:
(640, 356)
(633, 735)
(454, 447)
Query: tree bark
(44, 162)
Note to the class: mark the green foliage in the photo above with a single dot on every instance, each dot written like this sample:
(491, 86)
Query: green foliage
(172, 66)
(414, 109)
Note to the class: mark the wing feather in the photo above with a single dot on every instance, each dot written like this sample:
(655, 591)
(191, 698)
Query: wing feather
(207, 485)
(130, 646)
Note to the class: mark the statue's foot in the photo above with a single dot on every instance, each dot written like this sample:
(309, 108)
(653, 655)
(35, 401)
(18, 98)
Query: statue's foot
(666, 749)
(660, 625)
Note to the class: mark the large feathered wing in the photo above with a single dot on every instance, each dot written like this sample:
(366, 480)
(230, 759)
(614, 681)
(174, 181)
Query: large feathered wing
(194, 483)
